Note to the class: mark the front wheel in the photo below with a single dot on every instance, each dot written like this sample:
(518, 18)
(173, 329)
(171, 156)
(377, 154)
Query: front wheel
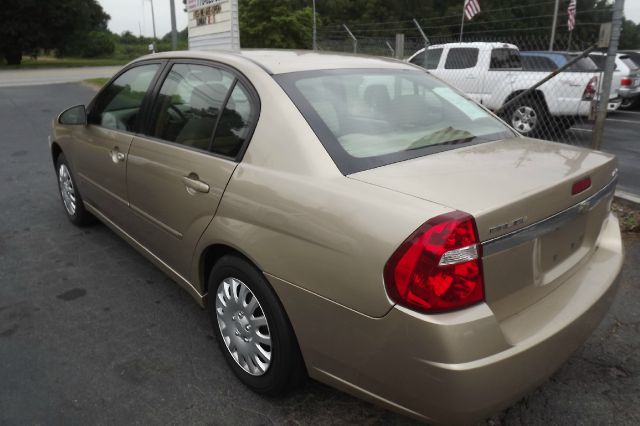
(71, 199)
(252, 329)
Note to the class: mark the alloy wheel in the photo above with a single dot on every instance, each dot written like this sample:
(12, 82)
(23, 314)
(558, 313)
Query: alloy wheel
(524, 119)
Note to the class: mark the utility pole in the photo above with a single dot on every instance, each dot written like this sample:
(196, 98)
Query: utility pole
(601, 113)
(315, 41)
(153, 21)
(553, 28)
(174, 31)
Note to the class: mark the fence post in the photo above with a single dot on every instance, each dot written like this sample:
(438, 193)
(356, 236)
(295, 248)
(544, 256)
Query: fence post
(424, 36)
(603, 98)
(353, 38)
(399, 46)
(393, 52)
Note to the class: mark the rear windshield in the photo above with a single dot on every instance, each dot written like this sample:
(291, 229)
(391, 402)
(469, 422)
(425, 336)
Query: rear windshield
(584, 64)
(600, 61)
(369, 118)
(629, 63)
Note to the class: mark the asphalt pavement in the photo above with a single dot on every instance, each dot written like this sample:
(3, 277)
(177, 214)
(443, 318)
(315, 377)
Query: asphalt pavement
(621, 137)
(92, 333)
(28, 77)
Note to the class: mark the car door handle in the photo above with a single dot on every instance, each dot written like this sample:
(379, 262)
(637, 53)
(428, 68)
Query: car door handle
(194, 184)
(116, 155)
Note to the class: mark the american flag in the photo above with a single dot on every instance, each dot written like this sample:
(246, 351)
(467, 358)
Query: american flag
(472, 8)
(571, 11)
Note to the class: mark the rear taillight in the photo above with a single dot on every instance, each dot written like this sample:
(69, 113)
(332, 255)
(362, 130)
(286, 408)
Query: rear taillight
(580, 185)
(625, 82)
(590, 91)
(438, 268)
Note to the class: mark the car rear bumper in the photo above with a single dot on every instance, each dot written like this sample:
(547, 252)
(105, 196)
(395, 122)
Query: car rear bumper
(456, 367)
(629, 92)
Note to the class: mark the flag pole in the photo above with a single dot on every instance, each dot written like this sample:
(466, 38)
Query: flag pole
(462, 23)
(569, 42)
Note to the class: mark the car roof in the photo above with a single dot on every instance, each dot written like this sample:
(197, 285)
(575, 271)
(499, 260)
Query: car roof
(476, 44)
(276, 61)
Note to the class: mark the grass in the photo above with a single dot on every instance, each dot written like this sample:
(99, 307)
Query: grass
(628, 215)
(51, 62)
(96, 82)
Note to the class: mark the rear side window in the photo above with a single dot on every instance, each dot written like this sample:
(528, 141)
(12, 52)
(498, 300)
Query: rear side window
(461, 57)
(234, 125)
(505, 59)
(418, 59)
(433, 58)
(629, 62)
(118, 105)
(189, 103)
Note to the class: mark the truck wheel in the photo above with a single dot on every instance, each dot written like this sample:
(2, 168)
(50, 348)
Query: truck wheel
(627, 103)
(528, 117)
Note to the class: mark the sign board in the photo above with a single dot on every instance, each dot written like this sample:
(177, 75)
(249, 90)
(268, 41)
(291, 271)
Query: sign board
(213, 24)
(605, 35)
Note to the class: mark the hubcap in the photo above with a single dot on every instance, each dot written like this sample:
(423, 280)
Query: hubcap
(244, 327)
(524, 119)
(66, 189)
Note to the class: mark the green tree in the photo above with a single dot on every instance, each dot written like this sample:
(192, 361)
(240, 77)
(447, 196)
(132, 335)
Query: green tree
(275, 24)
(26, 25)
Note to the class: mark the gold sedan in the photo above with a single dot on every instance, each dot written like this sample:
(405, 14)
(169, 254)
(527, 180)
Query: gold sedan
(351, 219)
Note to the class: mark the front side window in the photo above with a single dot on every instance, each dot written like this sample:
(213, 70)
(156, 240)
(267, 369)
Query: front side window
(504, 58)
(433, 58)
(189, 104)
(461, 58)
(118, 105)
(369, 118)
(418, 59)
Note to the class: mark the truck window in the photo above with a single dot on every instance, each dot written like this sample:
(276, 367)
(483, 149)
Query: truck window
(461, 57)
(418, 59)
(433, 58)
(505, 59)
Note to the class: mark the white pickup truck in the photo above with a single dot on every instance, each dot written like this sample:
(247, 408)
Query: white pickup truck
(491, 73)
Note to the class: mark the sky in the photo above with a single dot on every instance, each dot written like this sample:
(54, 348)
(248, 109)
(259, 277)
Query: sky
(632, 10)
(135, 15)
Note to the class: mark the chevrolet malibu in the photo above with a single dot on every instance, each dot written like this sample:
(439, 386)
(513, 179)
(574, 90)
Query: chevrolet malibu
(351, 219)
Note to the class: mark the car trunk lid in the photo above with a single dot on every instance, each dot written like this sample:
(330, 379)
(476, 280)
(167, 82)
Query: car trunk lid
(534, 232)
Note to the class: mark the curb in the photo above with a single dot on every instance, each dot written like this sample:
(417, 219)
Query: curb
(628, 199)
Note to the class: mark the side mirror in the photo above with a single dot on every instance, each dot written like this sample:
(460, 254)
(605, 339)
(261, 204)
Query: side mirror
(76, 115)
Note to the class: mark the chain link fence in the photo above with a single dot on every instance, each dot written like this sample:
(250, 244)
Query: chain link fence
(501, 70)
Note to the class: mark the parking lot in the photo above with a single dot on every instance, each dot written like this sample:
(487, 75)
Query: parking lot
(92, 333)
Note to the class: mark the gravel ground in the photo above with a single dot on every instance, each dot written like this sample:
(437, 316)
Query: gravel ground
(92, 333)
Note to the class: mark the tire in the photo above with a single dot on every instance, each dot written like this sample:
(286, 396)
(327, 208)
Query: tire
(564, 123)
(628, 103)
(69, 195)
(240, 297)
(529, 117)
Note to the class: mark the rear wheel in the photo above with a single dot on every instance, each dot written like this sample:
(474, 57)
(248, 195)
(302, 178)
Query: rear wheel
(252, 329)
(71, 199)
(528, 117)
(627, 103)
